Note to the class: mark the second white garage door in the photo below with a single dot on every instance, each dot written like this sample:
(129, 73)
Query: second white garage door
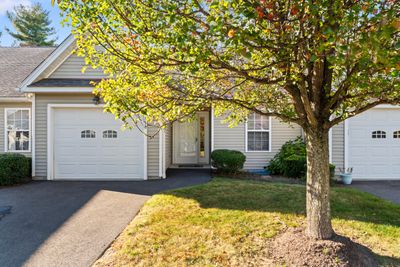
(374, 144)
(90, 145)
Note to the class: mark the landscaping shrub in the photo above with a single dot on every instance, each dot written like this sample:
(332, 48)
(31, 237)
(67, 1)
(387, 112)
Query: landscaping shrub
(14, 168)
(332, 170)
(291, 161)
(294, 166)
(292, 153)
(229, 161)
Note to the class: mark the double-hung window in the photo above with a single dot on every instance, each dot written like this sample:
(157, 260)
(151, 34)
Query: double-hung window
(258, 133)
(18, 129)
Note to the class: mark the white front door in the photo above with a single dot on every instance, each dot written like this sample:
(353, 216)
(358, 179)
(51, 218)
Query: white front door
(191, 140)
(374, 144)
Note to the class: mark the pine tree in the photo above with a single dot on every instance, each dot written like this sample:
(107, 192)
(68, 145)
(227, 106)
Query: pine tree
(32, 26)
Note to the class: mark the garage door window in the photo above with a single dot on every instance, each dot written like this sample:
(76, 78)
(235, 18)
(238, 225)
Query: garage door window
(110, 134)
(378, 134)
(396, 135)
(88, 134)
(18, 129)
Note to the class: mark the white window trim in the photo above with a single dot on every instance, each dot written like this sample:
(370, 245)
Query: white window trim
(6, 135)
(270, 138)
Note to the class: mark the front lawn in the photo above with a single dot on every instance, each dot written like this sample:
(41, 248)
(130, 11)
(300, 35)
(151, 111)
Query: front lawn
(229, 222)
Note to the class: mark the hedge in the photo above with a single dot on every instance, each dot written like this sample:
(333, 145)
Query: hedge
(14, 168)
(229, 161)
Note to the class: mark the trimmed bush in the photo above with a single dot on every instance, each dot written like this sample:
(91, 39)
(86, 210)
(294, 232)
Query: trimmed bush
(291, 161)
(292, 153)
(14, 168)
(229, 161)
(294, 166)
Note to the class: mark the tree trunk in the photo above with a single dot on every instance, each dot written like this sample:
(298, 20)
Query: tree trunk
(318, 187)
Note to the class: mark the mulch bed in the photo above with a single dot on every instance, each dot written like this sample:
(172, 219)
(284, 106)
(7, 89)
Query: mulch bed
(294, 248)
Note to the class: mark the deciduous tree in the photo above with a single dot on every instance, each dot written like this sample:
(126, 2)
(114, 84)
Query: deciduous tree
(310, 62)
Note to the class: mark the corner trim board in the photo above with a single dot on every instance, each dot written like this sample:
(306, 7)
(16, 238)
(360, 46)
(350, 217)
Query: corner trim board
(33, 135)
(346, 143)
(212, 129)
(145, 165)
(160, 154)
(330, 145)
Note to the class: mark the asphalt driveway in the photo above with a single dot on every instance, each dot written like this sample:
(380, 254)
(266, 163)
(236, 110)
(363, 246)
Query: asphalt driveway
(389, 190)
(72, 223)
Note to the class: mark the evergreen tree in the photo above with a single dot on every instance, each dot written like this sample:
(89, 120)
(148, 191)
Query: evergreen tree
(32, 25)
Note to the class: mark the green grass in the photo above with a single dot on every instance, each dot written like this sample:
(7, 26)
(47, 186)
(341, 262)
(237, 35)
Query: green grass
(231, 222)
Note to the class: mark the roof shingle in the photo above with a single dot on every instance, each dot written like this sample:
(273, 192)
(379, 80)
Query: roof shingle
(16, 63)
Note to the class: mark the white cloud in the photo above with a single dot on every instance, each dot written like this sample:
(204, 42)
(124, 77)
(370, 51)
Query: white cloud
(7, 5)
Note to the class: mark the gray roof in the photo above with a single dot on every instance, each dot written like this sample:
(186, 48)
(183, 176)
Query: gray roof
(65, 83)
(16, 63)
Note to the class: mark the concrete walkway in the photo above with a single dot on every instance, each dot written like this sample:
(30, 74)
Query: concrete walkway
(72, 223)
(389, 190)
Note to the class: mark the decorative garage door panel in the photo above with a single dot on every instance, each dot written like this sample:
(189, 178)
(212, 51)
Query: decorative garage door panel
(374, 146)
(89, 144)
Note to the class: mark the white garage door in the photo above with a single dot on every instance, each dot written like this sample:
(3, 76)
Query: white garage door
(374, 144)
(90, 145)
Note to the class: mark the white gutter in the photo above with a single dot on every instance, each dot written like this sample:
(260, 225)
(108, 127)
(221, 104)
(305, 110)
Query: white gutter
(59, 89)
(15, 99)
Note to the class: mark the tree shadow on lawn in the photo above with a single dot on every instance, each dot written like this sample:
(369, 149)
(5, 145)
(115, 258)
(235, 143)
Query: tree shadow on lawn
(233, 194)
(346, 204)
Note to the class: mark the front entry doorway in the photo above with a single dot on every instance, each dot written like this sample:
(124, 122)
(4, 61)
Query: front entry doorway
(191, 140)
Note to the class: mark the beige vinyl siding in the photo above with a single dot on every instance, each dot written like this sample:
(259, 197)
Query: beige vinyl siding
(338, 146)
(153, 152)
(42, 101)
(234, 138)
(71, 68)
(3, 106)
(58, 61)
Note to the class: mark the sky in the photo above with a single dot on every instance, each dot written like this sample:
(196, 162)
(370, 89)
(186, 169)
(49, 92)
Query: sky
(7, 5)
